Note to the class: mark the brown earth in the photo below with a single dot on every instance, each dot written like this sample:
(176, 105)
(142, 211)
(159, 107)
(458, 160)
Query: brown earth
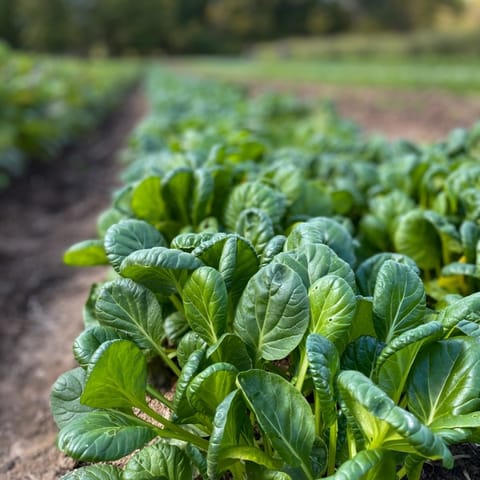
(420, 116)
(41, 300)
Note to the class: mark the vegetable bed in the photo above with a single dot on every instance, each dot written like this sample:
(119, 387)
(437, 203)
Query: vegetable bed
(48, 102)
(313, 294)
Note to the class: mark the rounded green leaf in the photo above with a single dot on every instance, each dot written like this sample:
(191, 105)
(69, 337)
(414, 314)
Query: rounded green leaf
(117, 376)
(254, 195)
(445, 380)
(177, 187)
(146, 200)
(272, 248)
(325, 231)
(273, 312)
(229, 430)
(357, 467)
(234, 257)
(205, 301)
(160, 269)
(257, 227)
(398, 300)
(65, 397)
(386, 425)
(190, 342)
(160, 461)
(416, 237)
(86, 254)
(132, 310)
(332, 307)
(86, 344)
(313, 261)
(283, 414)
(102, 436)
(208, 388)
(368, 270)
(129, 236)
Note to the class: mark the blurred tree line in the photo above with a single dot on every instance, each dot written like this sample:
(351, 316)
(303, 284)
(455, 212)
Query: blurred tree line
(197, 26)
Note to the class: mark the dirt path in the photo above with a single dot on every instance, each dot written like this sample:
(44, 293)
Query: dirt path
(41, 299)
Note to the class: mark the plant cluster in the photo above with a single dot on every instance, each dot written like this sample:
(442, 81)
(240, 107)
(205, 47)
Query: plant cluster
(313, 293)
(47, 103)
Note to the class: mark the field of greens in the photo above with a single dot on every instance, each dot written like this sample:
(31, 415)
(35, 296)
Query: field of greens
(49, 102)
(312, 293)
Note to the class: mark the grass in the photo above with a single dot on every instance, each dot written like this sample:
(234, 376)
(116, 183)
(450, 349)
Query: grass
(458, 75)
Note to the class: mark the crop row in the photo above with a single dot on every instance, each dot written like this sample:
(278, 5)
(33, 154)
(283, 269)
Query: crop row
(47, 103)
(313, 293)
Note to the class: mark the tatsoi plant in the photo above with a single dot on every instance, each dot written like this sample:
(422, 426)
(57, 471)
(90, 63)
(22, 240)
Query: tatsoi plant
(296, 376)
(317, 311)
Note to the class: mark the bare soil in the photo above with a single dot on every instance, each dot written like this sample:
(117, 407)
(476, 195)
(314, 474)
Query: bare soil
(41, 299)
(417, 115)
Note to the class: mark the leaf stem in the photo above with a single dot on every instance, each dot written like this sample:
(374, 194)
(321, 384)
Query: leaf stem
(168, 361)
(332, 448)
(302, 372)
(177, 303)
(318, 414)
(402, 473)
(154, 393)
(172, 430)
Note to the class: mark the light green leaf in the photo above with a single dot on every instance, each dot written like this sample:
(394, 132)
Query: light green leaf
(314, 261)
(325, 231)
(86, 254)
(418, 239)
(147, 202)
(117, 376)
(254, 195)
(445, 380)
(283, 414)
(190, 342)
(133, 310)
(129, 236)
(394, 364)
(359, 465)
(273, 313)
(181, 405)
(208, 388)
(203, 191)
(90, 339)
(102, 436)
(177, 187)
(467, 308)
(234, 257)
(229, 430)
(160, 461)
(332, 308)
(398, 300)
(205, 301)
(160, 269)
(386, 425)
